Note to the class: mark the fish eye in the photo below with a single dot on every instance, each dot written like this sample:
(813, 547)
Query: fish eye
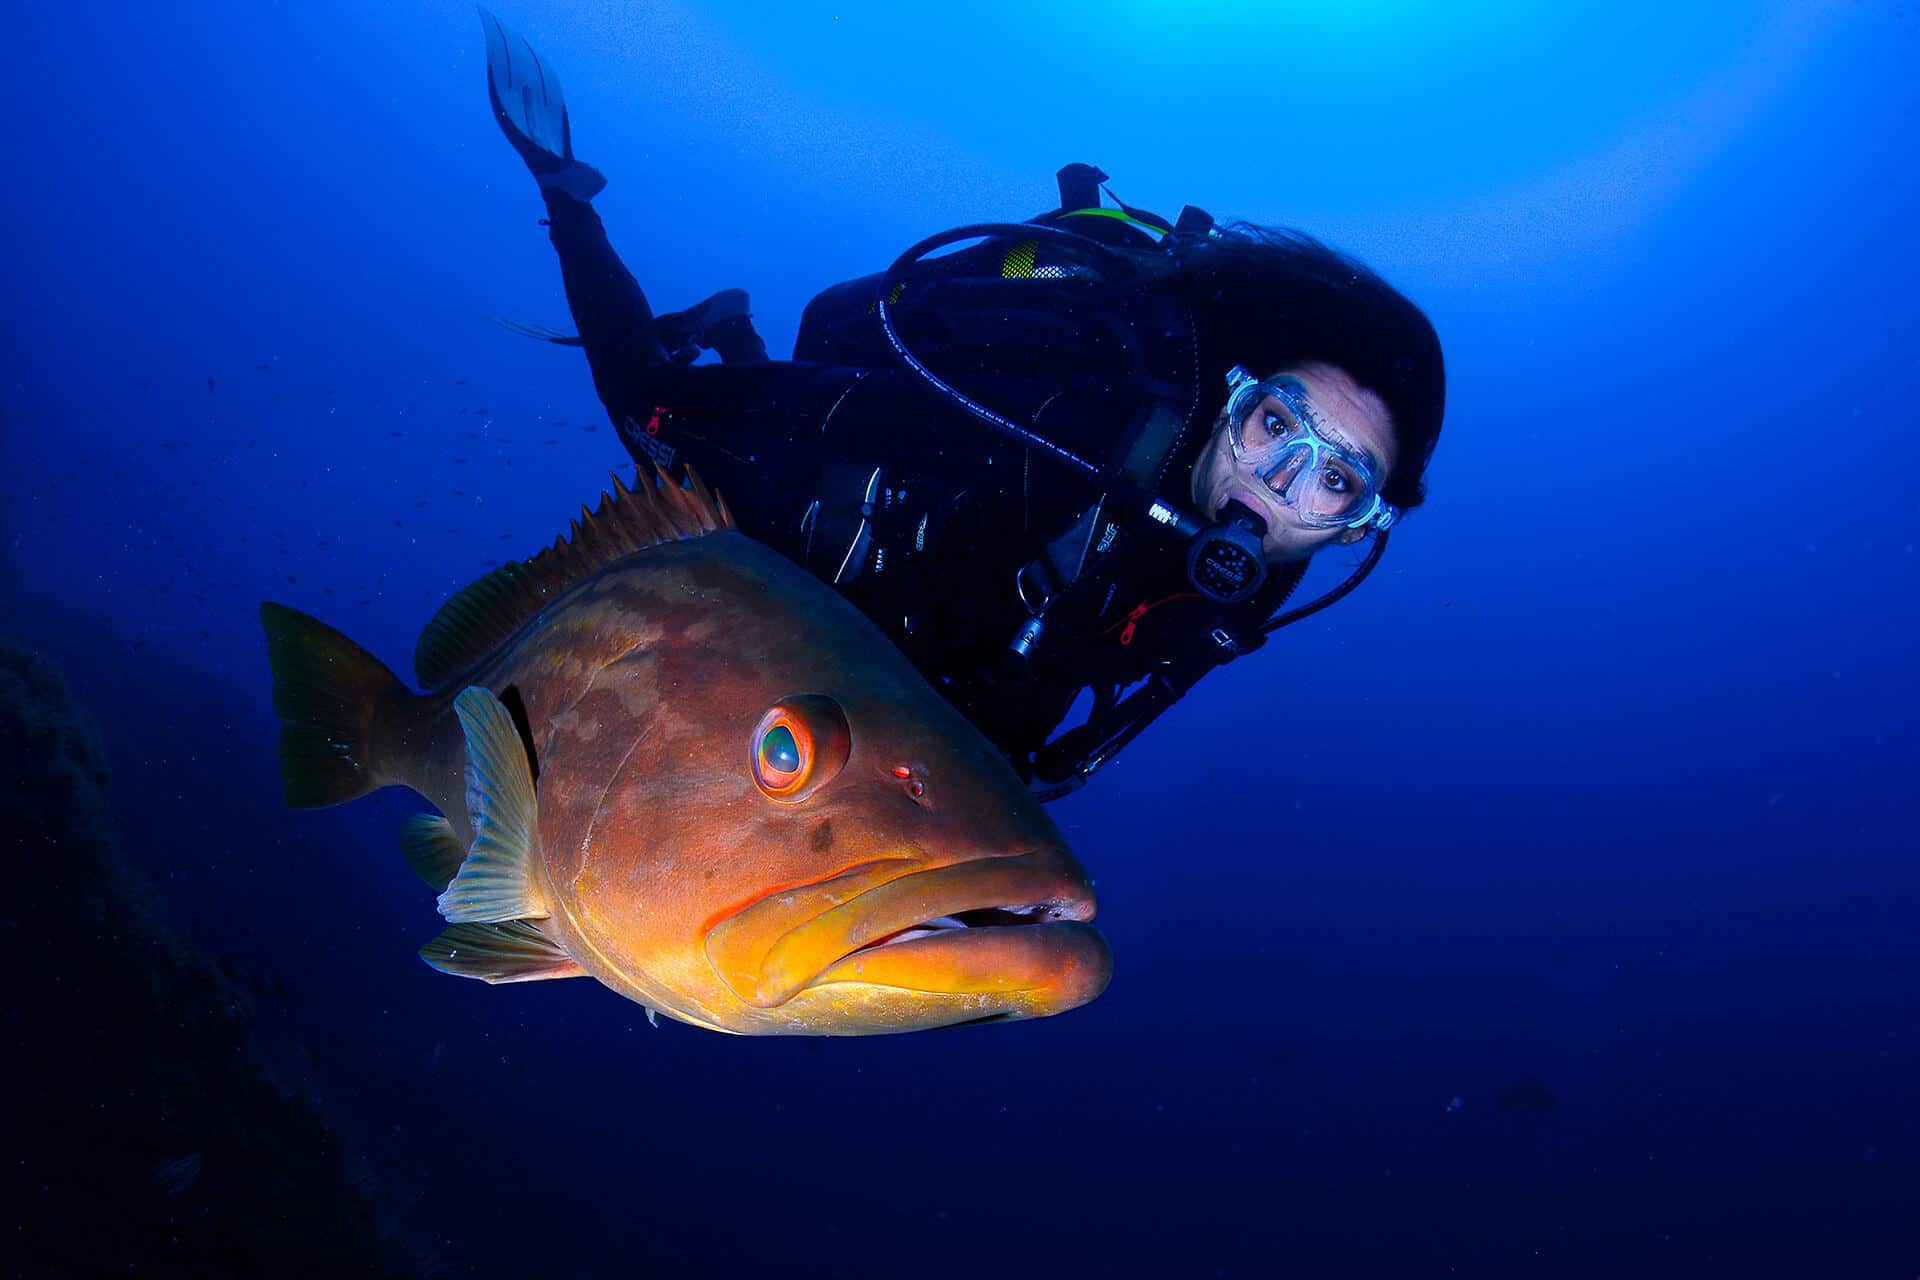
(800, 743)
(779, 753)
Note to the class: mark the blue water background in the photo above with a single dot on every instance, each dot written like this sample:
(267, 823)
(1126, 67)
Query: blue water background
(1604, 779)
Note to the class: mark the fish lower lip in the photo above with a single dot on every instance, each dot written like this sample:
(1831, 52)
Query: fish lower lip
(1025, 970)
(1016, 894)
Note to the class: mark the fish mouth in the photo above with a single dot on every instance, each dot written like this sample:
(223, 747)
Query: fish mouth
(1011, 926)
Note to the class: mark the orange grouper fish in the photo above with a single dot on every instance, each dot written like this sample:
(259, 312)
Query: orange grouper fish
(672, 760)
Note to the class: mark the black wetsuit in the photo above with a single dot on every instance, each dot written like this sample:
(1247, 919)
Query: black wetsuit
(945, 533)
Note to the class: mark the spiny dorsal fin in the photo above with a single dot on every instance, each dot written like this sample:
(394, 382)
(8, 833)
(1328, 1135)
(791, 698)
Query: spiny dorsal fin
(516, 951)
(495, 882)
(472, 624)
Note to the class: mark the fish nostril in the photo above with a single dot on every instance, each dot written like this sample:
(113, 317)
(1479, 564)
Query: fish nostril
(916, 786)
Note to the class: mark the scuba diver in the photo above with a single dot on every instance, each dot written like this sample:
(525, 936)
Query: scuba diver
(1079, 462)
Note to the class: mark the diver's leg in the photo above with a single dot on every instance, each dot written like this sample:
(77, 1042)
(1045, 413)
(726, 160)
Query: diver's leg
(722, 323)
(759, 433)
(616, 324)
(736, 341)
(750, 431)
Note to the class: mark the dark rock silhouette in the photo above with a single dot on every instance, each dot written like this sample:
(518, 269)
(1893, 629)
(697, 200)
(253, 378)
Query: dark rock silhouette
(148, 1139)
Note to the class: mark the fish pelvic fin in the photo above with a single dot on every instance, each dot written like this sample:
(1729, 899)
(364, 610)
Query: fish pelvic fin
(513, 951)
(432, 850)
(495, 881)
(332, 698)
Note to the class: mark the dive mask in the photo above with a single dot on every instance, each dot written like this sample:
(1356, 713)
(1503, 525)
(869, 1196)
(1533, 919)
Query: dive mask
(1324, 479)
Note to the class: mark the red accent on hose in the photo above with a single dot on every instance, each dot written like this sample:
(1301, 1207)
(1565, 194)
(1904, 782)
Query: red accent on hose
(1128, 625)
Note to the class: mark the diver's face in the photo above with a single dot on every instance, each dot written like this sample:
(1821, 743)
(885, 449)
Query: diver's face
(1337, 401)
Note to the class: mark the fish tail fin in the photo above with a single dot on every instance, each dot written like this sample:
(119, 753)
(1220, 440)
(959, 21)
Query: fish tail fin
(330, 695)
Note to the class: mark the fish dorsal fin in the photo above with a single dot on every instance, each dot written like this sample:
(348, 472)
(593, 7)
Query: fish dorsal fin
(474, 623)
(495, 882)
(515, 951)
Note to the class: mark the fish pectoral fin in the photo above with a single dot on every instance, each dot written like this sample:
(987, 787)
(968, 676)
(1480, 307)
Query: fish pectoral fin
(495, 882)
(515, 951)
(433, 851)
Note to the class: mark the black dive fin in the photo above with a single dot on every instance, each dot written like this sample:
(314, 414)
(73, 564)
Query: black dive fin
(541, 332)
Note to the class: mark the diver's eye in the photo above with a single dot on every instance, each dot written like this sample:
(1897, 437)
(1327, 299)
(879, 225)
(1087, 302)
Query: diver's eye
(799, 743)
(1335, 480)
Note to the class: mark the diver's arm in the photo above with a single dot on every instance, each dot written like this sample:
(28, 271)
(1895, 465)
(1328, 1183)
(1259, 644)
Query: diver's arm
(1065, 764)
